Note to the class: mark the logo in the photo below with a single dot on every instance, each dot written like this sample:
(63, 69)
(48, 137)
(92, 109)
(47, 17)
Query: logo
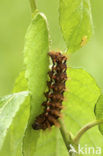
(85, 150)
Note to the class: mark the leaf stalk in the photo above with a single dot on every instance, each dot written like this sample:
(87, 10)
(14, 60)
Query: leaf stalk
(68, 138)
(85, 129)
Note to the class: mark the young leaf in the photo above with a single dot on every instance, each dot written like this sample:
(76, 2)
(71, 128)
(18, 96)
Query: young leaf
(37, 63)
(36, 58)
(14, 115)
(80, 98)
(99, 112)
(76, 22)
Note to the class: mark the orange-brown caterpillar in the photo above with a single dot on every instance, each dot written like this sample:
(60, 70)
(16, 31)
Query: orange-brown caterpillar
(54, 96)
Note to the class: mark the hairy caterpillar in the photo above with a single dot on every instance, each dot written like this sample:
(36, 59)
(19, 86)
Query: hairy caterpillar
(54, 95)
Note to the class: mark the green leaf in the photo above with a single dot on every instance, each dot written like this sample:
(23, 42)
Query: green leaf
(3, 100)
(76, 22)
(21, 83)
(14, 115)
(36, 58)
(50, 143)
(37, 62)
(81, 95)
(99, 112)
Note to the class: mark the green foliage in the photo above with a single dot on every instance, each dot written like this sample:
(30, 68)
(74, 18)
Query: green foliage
(80, 98)
(37, 62)
(75, 22)
(36, 58)
(14, 115)
(99, 112)
(18, 112)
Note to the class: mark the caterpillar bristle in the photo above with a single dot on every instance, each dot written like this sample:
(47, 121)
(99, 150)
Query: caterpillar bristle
(56, 113)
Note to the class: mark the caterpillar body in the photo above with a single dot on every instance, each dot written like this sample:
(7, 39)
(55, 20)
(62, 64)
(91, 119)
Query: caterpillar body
(54, 95)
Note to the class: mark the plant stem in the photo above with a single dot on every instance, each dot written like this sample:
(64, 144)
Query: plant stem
(33, 5)
(67, 137)
(86, 128)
